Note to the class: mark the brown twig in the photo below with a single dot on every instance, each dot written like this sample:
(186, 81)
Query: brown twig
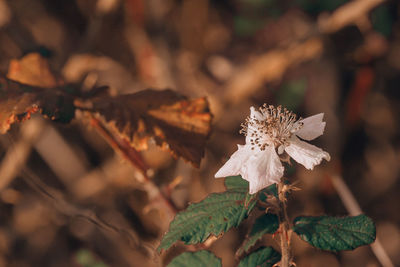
(64, 206)
(271, 65)
(13, 165)
(284, 228)
(354, 209)
(347, 14)
(19, 151)
(133, 156)
(62, 158)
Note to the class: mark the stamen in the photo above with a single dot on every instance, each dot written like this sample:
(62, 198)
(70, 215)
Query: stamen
(276, 127)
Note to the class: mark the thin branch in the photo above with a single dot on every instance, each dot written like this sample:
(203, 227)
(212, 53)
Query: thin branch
(18, 152)
(286, 257)
(354, 209)
(13, 165)
(58, 201)
(271, 65)
(62, 159)
(347, 14)
(156, 196)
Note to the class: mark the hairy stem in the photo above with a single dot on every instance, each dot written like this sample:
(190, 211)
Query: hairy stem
(284, 228)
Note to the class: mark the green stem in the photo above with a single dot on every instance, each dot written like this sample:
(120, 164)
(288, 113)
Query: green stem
(284, 228)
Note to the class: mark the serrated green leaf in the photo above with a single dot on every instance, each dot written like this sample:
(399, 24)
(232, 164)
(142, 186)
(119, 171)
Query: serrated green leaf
(202, 258)
(263, 257)
(265, 224)
(236, 182)
(216, 214)
(334, 233)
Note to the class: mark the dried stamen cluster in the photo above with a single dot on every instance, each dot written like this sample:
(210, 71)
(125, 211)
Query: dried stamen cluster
(274, 127)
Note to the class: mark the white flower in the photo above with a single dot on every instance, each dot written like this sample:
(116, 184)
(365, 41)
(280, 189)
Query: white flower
(268, 131)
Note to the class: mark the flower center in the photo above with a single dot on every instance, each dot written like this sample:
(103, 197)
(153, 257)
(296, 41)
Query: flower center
(272, 126)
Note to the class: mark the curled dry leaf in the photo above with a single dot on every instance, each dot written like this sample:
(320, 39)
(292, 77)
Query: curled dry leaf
(170, 119)
(31, 87)
(32, 69)
(18, 101)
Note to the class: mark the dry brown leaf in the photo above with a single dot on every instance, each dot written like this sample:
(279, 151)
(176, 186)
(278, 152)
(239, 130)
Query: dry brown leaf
(170, 119)
(32, 69)
(18, 100)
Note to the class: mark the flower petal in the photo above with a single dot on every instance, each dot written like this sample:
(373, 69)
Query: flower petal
(233, 165)
(313, 127)
(254, 114)
(262, 169)
(306, 154)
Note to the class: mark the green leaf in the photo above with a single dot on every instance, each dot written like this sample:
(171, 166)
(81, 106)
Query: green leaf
(236, 182)
(265, 224)
(263, 257)
(202, 258)
(214, 215)
(334, 233)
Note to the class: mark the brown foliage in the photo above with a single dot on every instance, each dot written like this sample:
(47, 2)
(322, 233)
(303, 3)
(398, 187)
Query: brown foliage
(32, 69)
(18, 101)
(173, 121)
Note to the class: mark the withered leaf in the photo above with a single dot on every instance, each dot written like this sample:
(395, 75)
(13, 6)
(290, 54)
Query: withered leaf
(32, 69)
(30, 87)
(170, 119)
(18, 101)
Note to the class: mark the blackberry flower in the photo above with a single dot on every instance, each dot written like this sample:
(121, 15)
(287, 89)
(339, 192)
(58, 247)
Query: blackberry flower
(271, 131)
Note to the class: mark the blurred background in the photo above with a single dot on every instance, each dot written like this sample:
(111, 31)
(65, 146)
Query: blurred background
(78, 203)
